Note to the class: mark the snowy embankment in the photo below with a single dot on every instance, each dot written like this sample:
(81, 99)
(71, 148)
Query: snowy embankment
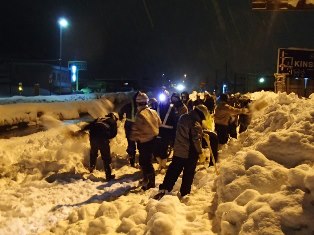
(265, 186)
(19, 109)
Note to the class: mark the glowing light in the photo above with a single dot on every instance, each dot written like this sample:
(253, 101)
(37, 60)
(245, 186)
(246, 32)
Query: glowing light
(74, 77)
(180, 87)
(73, 69)
(261, 80)
(20, 88)
(305, 82)
(224, 88)
(63, 22)
(162, 97)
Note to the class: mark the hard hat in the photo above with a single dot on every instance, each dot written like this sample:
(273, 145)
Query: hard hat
(141, 98)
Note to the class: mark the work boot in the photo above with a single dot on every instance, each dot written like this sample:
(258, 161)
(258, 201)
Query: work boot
(160, 194)
(109, 176)
(91, 169)
(132, 160)
(150, 183)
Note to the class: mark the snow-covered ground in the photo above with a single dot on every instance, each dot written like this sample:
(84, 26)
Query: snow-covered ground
(265, 183)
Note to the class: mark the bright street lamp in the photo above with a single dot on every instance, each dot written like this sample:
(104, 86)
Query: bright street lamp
(63, 23)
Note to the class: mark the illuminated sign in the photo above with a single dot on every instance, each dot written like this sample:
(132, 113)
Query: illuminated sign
(282, 5)
(80, 65)
(299, 63)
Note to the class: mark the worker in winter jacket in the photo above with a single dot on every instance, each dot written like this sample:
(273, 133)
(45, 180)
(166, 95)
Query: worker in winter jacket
(244, 119)
(187, 150)
(144, 131)
(169, 112)
(209, 102)
(222, 116)
(185, 97)
(129, 110)
(101, 130)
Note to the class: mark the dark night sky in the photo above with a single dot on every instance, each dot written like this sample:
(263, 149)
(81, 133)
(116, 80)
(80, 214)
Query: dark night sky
(120, 38)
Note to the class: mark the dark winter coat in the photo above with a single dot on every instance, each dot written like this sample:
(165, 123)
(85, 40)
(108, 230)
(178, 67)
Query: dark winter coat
(102, 128)
(189, 133)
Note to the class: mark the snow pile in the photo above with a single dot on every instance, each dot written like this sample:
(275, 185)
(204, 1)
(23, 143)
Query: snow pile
(267, 187)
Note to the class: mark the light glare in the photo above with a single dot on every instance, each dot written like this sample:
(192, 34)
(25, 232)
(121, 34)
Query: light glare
(63, 22)
(162, 97)
(180, 87)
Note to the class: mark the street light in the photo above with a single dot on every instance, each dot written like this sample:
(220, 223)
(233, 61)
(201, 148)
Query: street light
(63, 23)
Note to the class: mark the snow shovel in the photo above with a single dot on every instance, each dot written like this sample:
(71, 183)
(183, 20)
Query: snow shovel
(206, 137)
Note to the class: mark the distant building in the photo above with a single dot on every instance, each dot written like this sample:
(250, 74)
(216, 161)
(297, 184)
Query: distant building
(35, 79)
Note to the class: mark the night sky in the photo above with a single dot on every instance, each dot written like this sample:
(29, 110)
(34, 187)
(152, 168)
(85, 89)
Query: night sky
(146, 38)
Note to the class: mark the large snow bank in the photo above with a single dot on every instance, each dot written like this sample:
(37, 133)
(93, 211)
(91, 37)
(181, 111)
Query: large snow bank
(267, 187)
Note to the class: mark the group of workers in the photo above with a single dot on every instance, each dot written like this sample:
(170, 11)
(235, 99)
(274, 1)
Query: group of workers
(176, 124)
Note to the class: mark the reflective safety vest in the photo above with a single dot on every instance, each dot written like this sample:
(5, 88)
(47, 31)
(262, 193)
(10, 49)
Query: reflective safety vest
(163, 124)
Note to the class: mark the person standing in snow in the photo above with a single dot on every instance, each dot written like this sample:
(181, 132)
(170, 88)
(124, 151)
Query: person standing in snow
(144, 131)
(101, 130)
(209, 102)
(244, 119)
(187, 151)
(169, 112)
(129, 110)
(222, 116)
(186, 100)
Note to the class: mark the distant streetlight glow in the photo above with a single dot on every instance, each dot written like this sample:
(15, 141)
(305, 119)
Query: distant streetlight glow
(180, 87)
(74, 69)
(261, 80)
(224, 88)
(63, 23)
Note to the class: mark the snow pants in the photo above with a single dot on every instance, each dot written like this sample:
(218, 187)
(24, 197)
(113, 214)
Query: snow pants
(145, 161)
(164, 141)
(222, 133)
(177, 165)
(131, 148)
(103, 146)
